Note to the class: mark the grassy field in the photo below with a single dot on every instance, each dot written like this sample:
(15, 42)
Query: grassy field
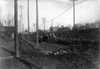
(76, 60)
(79, 59)
(84, 60)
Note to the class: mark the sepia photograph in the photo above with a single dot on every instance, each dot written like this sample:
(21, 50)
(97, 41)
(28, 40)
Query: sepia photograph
(49, 34)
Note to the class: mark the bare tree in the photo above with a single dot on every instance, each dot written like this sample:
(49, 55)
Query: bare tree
(9, 20)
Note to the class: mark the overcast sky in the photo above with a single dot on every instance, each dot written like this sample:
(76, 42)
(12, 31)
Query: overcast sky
(86, 11)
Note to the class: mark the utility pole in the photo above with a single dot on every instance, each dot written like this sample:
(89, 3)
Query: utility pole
(44, 23)
(51, 28)
(52, 23)
(37, 34)
(28, 19)
(21, 16)
(73, 12)
(16, 28)
(34, 27)
(58, 25)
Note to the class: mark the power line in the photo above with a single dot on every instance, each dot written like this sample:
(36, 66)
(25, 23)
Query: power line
(58, 15)
(67, 9)
(70, 6)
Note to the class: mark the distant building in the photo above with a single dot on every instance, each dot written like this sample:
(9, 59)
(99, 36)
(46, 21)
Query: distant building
(64, 29)
(53, 29)
(8, 32)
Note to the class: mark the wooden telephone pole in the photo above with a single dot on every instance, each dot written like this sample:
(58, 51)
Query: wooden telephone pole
(34, 27)
(37, 34)
(16, 28)
(21, 18)
(21, 15)
(28, 19)
(44, 20)
(52, 23)
(73, 12)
